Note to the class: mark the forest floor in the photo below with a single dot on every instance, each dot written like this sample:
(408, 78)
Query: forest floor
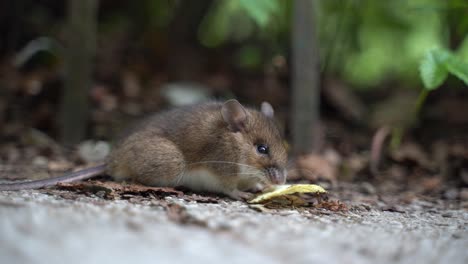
(412, 207)
(79, 225)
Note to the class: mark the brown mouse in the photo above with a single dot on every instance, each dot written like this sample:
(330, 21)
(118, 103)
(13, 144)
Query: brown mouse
(215, 147)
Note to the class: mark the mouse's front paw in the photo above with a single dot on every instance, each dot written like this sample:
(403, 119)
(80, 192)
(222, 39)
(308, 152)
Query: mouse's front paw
(260, 187)
(240, 195)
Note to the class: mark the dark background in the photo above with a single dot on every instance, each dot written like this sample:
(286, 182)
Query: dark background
(71, 71)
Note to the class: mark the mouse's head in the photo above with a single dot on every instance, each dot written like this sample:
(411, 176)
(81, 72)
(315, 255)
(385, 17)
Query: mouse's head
(260, 142)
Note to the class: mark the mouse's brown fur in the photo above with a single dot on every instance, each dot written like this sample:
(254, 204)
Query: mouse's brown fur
(176, 147)
(216, 147)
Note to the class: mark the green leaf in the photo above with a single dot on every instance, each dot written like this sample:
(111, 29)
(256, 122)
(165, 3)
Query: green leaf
(235, 20)
(458, 68)
(214, 28)
(260, 10)
(436, 66)
(433, 72)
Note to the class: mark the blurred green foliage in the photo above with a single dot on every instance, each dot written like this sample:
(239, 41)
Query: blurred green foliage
(388, 38)
(237, 21)
(365, 42)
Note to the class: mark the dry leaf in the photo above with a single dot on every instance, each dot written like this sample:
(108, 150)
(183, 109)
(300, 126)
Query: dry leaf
(113, 189)
(332, 206)
(180, 215)
(284, 190)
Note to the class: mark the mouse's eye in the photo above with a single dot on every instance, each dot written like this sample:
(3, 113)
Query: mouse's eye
(262, 149)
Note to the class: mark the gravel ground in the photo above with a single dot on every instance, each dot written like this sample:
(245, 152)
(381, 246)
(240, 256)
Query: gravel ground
(39, 227)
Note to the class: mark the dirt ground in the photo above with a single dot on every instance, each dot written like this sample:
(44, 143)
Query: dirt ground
(63, 226)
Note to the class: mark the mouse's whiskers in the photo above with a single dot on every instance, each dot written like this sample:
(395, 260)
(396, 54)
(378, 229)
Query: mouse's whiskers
(179, 178)
(245, 173)
(221, 162)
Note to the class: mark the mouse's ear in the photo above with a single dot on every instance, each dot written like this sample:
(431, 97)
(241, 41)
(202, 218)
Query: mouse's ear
(267, 109)
(234, 114)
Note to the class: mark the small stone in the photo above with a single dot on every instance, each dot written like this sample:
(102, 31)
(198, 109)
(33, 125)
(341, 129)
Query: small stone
(366, 207)
(185, 93)
(101, 194)
(40, 161)
(368, 188)
(91, 151)
(451, 194)
(447, 215)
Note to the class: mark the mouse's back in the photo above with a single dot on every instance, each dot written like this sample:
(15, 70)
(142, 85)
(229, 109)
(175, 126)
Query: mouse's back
(239, 146)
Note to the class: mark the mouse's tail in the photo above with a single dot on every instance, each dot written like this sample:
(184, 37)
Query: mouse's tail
(70, 177)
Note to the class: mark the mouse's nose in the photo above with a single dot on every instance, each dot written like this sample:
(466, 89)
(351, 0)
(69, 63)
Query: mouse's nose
(275, 175)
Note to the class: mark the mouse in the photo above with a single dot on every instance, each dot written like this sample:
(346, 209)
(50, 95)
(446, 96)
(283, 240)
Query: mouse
(215, 147)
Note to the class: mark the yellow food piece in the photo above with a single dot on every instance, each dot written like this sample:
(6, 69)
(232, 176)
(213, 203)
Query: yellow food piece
(287, 189)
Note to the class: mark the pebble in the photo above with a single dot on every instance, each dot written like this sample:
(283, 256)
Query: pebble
(368, 188)
(451, 194)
